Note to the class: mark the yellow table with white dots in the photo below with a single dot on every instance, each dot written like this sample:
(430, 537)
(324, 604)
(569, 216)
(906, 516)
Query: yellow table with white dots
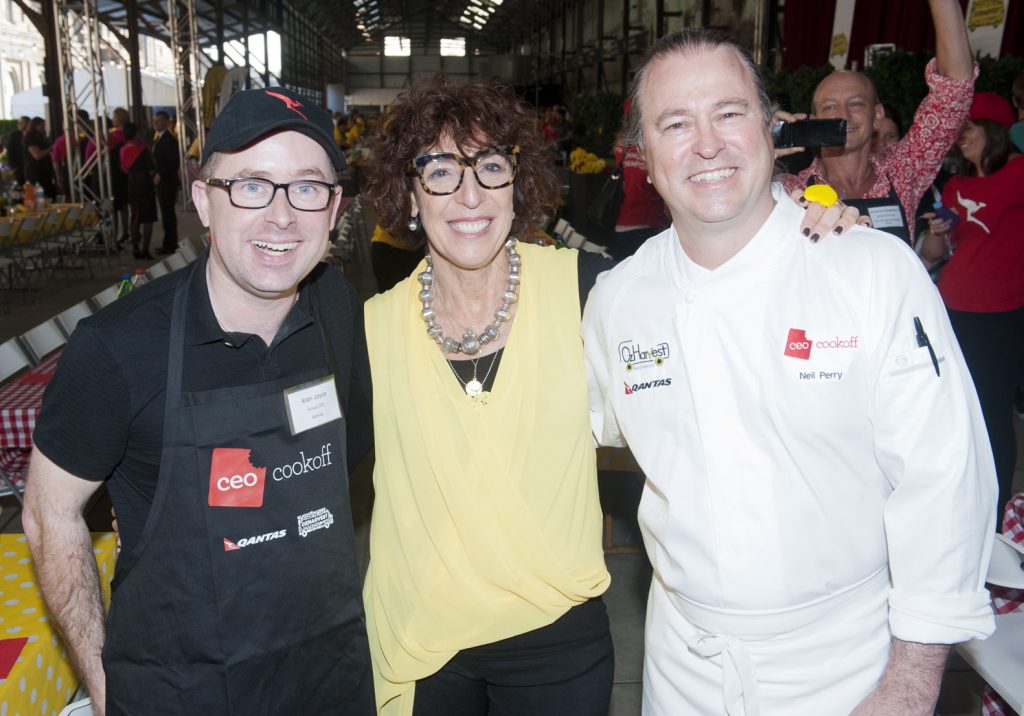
(35, 670)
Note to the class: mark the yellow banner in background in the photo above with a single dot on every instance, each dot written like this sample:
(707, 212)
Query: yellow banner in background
(842, 26)
(986, 22)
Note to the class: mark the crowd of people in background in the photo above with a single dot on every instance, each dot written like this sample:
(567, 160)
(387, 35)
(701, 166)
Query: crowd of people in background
(144, 171)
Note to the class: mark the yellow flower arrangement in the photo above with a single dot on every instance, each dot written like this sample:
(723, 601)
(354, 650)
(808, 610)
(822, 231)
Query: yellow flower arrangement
(583, 162)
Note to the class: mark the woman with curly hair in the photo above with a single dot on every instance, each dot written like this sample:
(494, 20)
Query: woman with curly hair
(486, 570)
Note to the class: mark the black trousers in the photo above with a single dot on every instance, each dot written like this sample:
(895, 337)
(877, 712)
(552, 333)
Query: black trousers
(167, 197)
(564, 669)
(993, 346)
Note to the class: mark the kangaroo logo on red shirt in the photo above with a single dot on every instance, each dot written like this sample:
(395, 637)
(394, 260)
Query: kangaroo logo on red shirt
(798, 345)
(234, 481)
(289, 103)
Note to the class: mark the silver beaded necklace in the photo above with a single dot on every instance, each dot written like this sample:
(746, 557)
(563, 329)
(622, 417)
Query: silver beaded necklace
(471, 342)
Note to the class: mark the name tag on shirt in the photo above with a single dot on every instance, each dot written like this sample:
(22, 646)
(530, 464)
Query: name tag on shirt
(884, 217)
(311, 405)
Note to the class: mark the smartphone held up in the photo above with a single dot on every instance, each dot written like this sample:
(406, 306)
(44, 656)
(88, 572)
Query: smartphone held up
(809, 133)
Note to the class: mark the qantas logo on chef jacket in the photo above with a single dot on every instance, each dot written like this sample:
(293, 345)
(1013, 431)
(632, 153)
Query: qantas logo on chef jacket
(230, 546)
(799, 344)
(637, 387)
(236, 482)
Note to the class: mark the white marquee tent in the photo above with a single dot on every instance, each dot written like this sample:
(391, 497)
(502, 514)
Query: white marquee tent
(156, 92)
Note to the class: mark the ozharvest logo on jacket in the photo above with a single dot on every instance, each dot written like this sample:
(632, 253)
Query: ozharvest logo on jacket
(635, 356)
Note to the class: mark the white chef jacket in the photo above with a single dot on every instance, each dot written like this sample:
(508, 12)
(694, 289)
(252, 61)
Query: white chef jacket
(796, 439)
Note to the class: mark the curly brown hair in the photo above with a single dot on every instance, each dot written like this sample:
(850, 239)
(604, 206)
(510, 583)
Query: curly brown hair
(473, 114)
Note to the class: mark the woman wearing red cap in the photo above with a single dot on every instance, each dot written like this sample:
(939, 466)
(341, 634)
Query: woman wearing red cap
(983, 282)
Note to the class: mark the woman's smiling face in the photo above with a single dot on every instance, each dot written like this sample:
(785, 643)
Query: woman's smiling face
(468, 227)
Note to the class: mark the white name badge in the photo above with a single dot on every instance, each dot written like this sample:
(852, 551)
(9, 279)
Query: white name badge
(311, 405)
(884, 217)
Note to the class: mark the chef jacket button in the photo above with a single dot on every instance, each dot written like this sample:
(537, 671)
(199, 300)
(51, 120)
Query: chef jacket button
(689, 297)
(901, 361)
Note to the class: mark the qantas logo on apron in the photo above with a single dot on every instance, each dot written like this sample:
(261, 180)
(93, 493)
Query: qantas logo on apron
(230, 546)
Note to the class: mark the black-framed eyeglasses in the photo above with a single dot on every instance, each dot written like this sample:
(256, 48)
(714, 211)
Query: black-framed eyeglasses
(256, 193)
(441, 173)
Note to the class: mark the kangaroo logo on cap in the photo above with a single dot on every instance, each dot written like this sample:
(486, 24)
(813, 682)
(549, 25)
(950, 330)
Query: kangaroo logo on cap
(289, 103)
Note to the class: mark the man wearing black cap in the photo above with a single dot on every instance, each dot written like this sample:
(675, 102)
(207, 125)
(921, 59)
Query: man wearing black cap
(221, 404)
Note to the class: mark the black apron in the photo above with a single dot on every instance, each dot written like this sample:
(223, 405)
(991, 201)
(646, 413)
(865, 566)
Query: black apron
(886, 213)
(243, 594)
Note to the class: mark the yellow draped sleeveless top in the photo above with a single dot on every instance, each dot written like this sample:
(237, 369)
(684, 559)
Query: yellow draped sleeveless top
(486, 522)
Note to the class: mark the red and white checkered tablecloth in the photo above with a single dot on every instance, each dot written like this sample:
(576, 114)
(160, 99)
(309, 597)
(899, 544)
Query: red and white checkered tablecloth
(1006, 599)
(20, 401)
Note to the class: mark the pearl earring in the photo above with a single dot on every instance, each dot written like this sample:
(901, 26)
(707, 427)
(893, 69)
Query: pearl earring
(414, 223)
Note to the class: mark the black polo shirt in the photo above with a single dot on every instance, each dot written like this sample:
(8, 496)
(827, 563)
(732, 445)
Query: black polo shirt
(103, 411)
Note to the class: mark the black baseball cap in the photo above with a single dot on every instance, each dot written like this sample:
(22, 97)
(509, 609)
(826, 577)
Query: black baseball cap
(253, 114)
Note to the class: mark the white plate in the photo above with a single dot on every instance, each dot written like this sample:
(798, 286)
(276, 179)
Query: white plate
(1005, 569)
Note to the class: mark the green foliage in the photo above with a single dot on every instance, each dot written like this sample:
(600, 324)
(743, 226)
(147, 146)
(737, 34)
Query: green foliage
(998, 75)
(793, 89)
(6, 127)
(596, 119)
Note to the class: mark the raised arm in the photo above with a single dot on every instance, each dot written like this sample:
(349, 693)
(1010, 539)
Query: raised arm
(62, 551)
(952, 50)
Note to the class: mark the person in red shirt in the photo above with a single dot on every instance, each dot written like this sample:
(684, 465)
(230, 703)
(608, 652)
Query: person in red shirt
(139, 167)
(982, 284)
(119, 183)
(59, 154)
(642, 214)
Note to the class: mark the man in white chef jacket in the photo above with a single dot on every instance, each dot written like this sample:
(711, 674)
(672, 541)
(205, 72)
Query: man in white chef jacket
(819, 505)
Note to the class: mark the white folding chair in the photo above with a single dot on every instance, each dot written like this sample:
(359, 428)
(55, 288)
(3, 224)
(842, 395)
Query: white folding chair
(82, 707)
(29, 260)
(76, 239)
(188, 251)
(176, 261)
(106, 296)
(69, 318)
(12, 359)
(156, 270)
(43, 340)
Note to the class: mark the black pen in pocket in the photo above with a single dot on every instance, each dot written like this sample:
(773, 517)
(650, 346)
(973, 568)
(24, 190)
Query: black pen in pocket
(923, 342)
